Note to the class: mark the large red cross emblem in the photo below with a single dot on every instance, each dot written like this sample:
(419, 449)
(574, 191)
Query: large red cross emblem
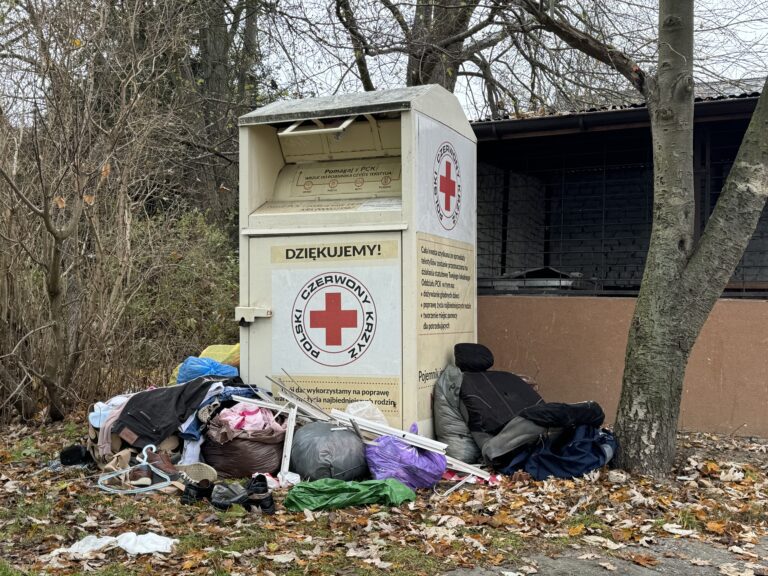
(447, 186)
(333, 319)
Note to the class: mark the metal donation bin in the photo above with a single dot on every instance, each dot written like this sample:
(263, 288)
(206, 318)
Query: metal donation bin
(357, 246)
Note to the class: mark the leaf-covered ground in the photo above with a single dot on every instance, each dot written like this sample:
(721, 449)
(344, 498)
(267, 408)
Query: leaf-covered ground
(718, 496)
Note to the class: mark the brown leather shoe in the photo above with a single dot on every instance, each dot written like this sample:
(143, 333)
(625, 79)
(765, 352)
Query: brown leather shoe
(162, 461)
(140, 476)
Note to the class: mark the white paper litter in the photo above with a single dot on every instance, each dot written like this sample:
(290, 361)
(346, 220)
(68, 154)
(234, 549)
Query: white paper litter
(131, 542)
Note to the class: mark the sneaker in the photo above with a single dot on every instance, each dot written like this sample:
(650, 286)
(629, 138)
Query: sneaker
(140, 476)
(162, 461)
(194, 473)
(259, 493)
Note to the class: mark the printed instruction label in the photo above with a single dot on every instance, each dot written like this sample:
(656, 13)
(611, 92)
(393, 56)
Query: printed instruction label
(339, 391)
(446, 286)
(446, 312)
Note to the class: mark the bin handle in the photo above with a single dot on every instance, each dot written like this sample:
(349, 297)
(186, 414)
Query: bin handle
(321, 128)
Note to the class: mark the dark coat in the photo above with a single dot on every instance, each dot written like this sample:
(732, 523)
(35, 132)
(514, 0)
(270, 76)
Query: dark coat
(152, 416)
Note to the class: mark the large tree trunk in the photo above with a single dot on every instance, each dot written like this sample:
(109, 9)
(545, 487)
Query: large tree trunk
(681, 285)
(214, 52)
(433, 58)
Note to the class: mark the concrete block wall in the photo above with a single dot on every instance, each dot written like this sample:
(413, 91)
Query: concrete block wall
(525, 222)
(580, 221)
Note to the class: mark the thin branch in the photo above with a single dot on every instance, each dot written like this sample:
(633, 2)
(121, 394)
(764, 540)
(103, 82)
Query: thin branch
(19, 193)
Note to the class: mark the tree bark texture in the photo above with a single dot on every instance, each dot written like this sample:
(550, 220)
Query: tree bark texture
(682, 280)
(434, 57)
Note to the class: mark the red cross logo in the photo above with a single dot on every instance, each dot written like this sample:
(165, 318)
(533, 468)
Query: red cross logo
(333, 319)
(447, 186)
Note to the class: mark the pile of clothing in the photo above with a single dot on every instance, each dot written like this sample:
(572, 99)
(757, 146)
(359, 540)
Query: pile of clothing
(498, 418)
(196, 437)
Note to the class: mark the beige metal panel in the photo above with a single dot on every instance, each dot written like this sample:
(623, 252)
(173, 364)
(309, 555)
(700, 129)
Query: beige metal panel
(319, 216)
(381, 101)
(359, 178)
(443, 106)
(410, 371)
(261, 160)
(365, 137)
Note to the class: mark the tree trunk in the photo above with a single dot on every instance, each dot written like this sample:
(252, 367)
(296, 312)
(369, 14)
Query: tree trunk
(681, 282)
(657, 352)
(56, 358)
(433, 58)
(214, 52)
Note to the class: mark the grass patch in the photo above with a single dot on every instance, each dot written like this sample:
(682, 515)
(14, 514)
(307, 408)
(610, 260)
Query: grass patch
(687, 519)
(8, 570)
(111, 570)
(407, 561)
(72, 431)
(26, 448)
(506, 542)
(254, 538)
(126, 511)
(192, 541)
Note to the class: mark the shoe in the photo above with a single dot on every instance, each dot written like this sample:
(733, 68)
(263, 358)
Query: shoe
(225, 495)
(194, 473)
(259, 492)
(162, 461)
(140, 476)
(196, 491)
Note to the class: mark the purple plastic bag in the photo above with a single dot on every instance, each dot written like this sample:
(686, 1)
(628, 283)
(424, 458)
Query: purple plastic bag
(390, 457)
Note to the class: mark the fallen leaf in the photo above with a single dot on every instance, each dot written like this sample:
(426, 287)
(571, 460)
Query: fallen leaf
(604, 542)
(709, 468)
(733, 569)
(281, 558)
(378, 563)
(700, 562)
(60, 202)
(608, 566)
(576, 530)
(715, 527)
(742, 551)
(643, 560)
(677, 530)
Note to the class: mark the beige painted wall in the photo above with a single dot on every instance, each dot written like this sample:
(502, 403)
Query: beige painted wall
(574, 348)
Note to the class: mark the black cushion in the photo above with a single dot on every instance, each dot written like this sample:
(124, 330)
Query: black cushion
(492, 399)
(472, 357)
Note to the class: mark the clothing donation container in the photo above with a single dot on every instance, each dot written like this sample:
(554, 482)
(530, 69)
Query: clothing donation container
(357, 247)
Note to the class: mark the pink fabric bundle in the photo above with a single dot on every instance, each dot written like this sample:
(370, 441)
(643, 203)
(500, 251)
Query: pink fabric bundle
(243, 416)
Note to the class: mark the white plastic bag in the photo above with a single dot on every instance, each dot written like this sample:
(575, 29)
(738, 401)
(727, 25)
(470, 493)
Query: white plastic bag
(366, 409)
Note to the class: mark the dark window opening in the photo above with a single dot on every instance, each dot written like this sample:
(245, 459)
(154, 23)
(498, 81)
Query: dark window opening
(574, 216)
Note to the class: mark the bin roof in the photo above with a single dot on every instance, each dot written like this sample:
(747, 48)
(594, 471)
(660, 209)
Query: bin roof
(421, 98)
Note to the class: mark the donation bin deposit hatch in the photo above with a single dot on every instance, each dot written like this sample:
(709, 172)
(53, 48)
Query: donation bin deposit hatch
(357, 246)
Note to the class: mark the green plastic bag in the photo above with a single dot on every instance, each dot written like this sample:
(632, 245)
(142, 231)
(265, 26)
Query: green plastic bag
(333, 493)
